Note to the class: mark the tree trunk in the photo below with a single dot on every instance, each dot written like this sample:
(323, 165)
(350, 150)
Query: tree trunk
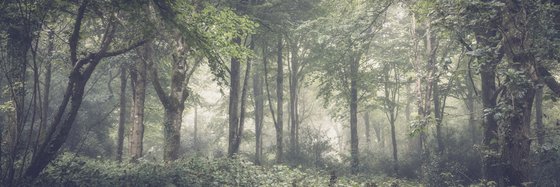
(368, 130)
(470, 103)
(438, 114)
(195, 130)
(378, 129)
(138, 77)
(519, 95)
(294, 100)
(354, 148)
(243, 108)
(233, 103)
(122, 115)
(416, 142)
(172, 133)
(391, 89)
(279, 103)
(259, 109)
(538, 116)
(174, 100)
(46, 91)
(15, 66)
(491, 166)
(394, 146)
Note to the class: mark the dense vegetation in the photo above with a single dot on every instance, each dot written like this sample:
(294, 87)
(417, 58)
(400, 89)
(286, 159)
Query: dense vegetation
(279, 93)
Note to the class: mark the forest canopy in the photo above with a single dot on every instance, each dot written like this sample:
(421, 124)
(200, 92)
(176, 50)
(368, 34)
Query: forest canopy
(279, 93)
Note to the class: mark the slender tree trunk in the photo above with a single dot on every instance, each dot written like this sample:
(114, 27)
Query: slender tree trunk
(391, 89)
(394, 146)
(491, 165)
(378, 129)
(417, 142)
(243, 108)
(195, 130)
(354, 148)
(368, 130)
(538, 116)
(46, 91)
(439, 117)
(294, 100)
(259, 109)
(279, 103)
(470, 103)
(122, 115)
(15, 66)
(233, 103)
(138, 76)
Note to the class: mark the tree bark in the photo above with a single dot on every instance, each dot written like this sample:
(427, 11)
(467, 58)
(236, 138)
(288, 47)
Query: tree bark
(279, 102)
(122, 114)
(46, 91)
(540, 131)
(470, 103)
(491, 162)
(368, 130)
(259, 109)
(518, 95)
(294, 118)
(138, 77)
(233, 103)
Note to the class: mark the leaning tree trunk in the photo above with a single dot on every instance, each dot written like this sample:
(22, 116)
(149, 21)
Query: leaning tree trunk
(242, 107)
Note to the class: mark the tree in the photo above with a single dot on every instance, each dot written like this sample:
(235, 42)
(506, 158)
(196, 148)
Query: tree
(174, 100)
(82, 68)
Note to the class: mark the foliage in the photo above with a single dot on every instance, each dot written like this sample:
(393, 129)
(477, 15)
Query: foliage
(547, 158)
(72, 170)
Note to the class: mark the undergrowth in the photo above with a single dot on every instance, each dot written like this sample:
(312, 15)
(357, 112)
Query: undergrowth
(71, 170)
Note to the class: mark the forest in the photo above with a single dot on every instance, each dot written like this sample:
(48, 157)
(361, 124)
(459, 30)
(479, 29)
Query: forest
(279, 93)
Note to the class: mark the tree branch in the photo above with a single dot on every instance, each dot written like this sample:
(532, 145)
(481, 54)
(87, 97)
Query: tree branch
(75, 37)
(549, 80)
(124, 50)
(159, 90)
